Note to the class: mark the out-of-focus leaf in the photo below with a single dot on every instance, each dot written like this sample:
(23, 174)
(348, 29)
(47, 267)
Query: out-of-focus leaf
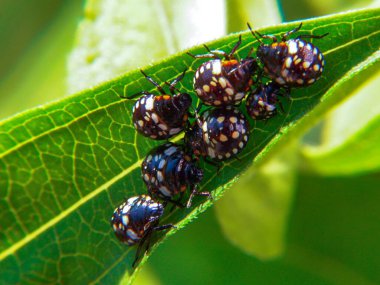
(254, 213)
(332, 240)
(358, 154)
(34, 58)
(201, 252)
(334, 230)
(65, 166)
(258, 13)
(120, 35)
(350, 136)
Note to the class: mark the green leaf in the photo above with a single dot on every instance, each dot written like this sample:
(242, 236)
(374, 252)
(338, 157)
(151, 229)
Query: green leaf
(334, 229)
(258, 13)
(111, 43)
(254, 213)
(332, 239)
(45, 38)
(351, 129)
(65, 166)
(344, 159)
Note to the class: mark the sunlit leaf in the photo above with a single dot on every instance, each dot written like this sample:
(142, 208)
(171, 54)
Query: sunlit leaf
(254, 213)
(65, 166)
(350, 136)
(110, 42)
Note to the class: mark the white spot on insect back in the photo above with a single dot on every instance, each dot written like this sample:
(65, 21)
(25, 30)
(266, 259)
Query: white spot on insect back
(125, 220)
(206, 88)
(223, 138)
(160, 177)
(170, 151)
(292, 47)
(297, 61)
(279, 80)
(132, 234)
(163, 127)
(208, 65)
(216, 67)
(211, 152)
(285, 72)
(204, 127)
(222, 82)
(235, 135)
(239, 95)
(149, 103)
(221, 119)
(306, 64)
(140, 123)
(316, 67)
(174, 131)
(288, 62)
(202, 69)
(155, 117)
(161, 164)
(165, 191)
(300, 81)
(230, 91)
(126, 209)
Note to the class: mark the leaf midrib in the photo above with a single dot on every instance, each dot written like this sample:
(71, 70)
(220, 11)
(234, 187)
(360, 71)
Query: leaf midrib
(20, 145)
(67, 211)
(104, 186)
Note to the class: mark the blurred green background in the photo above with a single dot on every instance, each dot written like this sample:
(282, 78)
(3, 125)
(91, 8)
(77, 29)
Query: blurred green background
(309, 216)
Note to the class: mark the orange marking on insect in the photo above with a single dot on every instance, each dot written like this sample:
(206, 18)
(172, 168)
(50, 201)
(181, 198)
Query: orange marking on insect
(231, 62)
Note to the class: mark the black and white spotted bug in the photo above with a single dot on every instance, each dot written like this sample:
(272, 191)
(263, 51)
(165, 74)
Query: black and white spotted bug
(218, 134)
(293, 62)
(167, 171)
(223, 82)
(261, 102)
(162, 116)
(136, 219)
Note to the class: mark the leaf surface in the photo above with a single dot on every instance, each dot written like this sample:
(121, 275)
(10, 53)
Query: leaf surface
(65, 166)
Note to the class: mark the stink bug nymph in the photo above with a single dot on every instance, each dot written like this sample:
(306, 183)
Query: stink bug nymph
(167, 171)
(218, 134)
(136, 219)
(261, 102)
(162, 116)
(224, 80)
(290, 62)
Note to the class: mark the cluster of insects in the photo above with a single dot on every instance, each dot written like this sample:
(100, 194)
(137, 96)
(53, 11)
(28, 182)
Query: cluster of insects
(218, 133)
